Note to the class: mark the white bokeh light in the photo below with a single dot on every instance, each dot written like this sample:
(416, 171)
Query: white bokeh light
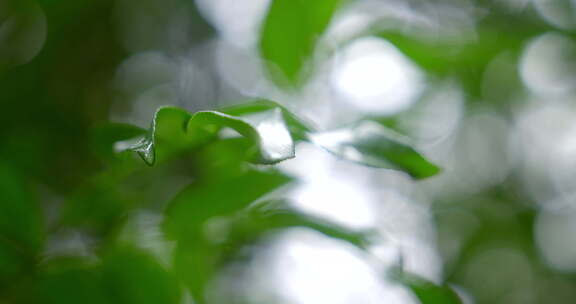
(547, 65)
(559, 13)
(324, 192)
(544, 147)
(554, 234)
(312, 269)
(373, 75)
(237, 21)
(337, 199)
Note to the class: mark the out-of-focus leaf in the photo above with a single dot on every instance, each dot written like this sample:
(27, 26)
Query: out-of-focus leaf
(21, 224)
(220, 196)
(196, 263)
(104, 199)
(133, 276)
(261, 123)
(432, 56)
(14, 263)
(22, 32)
(71, 280)
(289, 36)
(195, 258)
(371, 144)
(98, 207)
(274, 215)
(426, 291)
(499, 32)
(156, 19)
(198, 259)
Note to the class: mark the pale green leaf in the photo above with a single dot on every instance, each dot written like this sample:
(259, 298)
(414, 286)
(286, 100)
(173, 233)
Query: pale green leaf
(372, 144)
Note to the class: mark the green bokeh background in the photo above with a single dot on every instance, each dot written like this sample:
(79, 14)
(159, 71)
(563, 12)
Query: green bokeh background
(59, 176)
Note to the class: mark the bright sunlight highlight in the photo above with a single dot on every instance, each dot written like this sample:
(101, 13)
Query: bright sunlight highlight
(372, 74)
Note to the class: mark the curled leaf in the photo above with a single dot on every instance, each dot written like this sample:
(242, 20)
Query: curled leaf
(268, 127)
(166, 134)
(266, 130)
(289, 36)
(269, 132)
(298, 127)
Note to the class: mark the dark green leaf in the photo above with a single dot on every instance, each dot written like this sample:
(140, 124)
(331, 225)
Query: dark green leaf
(21, 223)
(426, 291)
(71, 281)
(372, 144)
(14, 262)
(132, 276)
(289, 36)
(96, 206)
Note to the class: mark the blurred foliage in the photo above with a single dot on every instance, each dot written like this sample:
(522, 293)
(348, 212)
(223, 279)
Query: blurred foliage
(289, 35)
(68, 167)
(424, 290)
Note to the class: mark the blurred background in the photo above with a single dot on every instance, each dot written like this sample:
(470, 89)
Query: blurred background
(485, 88)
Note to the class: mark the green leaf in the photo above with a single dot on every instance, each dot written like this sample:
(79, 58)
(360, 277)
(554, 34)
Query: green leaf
(262, 123)
(14, 263)
(196, 258)
(166, 135)
(298, 127)
(220, 196)
(132, 276)
(289, 36)
(266, 131)
(70, 281)
(432, 56)
(369, 143)
(196, 264)
(426, 291)
(467, 59)
(21, 222)
(96, 206)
